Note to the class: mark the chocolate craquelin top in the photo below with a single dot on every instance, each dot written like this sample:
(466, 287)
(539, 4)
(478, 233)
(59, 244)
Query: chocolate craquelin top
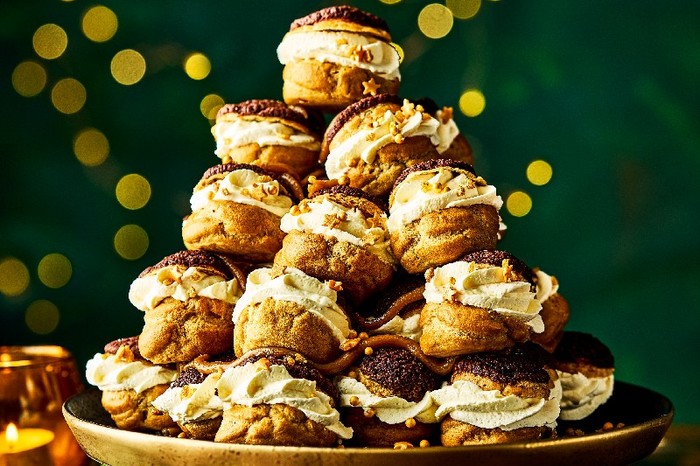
(355, 109)
(289, 184)
(341, 12)
(433, 164)
(189, 376)
(131, 342)
(496, 257)
(346, 190)
(196, 258)
(522, 363)
(583, 348)
(269, 108)
(398, 371)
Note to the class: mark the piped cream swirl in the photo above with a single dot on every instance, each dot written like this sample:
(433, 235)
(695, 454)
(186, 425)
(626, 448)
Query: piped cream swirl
(110, 373)
(230, 133)
(193, 402)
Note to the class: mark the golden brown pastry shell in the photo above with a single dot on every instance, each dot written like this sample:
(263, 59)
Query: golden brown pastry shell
(133, 411)
(328, 86)
(459, 149)
(177, 331)
(242, 230)
(284, 324)
(555, 314)
(202, 429)
(361, 272)
(276, 424)
(369, 431)
(298, 161)
(455, 433)
(451, 329)
(445, 235)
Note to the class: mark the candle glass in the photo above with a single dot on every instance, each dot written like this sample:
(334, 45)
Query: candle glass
(34, 383)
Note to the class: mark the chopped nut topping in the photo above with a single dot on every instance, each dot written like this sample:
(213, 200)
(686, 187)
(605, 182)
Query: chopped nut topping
(410, 423)
(370, 412)
(352, 334)
(226, 192)
(507, 270)
(402, 445)
(341, 41)
(352, 374)
(344, 179)
(295, 210)
(124, 354)
(331, 221)
(398, 139)
(424, 443)
(349, 344)
(370, 137)
(335, 285)
(262, 364)
(290, 360)
(354, 400)
(447, 114)
(363, 335)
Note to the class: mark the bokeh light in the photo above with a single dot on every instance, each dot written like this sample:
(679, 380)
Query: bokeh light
(128, 67)
(197, 66)
(50, 41)
(29, 78)
(99, 23)
(539, 172)
(55, 270)
(68, 96)
(435, 21)
(399, 50)
(210, 105)
(390, 2)
(519, 203)
(91, 147)
(133, 191)
(131, 242)
(42, 317)
(463, 9)
(14, 276)
(472, 102)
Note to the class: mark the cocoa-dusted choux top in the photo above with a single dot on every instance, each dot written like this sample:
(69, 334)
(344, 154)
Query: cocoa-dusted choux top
(339, 234)
(269, 133)
(236, 210)
(336, 56)
(132, 343)
(368, 144)
(439, 210)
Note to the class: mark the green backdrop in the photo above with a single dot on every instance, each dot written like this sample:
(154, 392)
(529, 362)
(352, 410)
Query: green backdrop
(606, 92)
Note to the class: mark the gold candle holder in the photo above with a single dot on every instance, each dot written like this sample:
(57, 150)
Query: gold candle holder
(34, 383)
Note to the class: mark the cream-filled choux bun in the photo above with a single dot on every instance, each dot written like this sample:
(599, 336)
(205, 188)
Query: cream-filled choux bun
(187, 299)
(555, 310)
(339, 234)
(129, 384)
(271, 134)
(336, 56)
(440, 210)
(484, 302)
(372, 141)
(452, 142)
(236, 210)
(277, 397)
(284, 307)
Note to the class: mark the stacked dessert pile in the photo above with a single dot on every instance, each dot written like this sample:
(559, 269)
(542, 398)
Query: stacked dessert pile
(342, 284)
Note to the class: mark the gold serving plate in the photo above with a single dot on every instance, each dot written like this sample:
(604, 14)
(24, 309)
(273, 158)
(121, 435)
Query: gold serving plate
(646, 416)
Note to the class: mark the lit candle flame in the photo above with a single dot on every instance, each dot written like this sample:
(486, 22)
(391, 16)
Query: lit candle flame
(11, 434)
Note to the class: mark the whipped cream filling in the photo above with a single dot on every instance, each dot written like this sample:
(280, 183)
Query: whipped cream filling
(193, 402)
(582, 395)
(109, 373)
(408, 327)
(364, 144)
(324, 217)
(390, 409)
(447, 131)
(342, 48)
(245, 187)
(253, 384)
(181, 283)
(423, 192)
(237, 132)
(547, 286)
(486, 287)
(466, 402)
(295, 286)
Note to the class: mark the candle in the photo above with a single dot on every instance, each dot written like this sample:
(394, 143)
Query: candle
(25, 447)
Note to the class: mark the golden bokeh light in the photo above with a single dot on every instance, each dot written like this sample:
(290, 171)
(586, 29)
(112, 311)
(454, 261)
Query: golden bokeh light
(472, 102)
(68, 96)
(519, 204)
(91, 147)
(133, 191)
(463, 9)
(131, 242)
(435, 21)
(55, 270)
(197, 66)
(128, 67)
(210, 105)
(50, 41)
(390, 2)
(42, 317)
(399, 50)
(14, 276)
(99, 23)
(29, 78)
(539, 172)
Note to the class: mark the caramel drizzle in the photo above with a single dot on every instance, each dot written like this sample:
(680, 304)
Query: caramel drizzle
(373, 323)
